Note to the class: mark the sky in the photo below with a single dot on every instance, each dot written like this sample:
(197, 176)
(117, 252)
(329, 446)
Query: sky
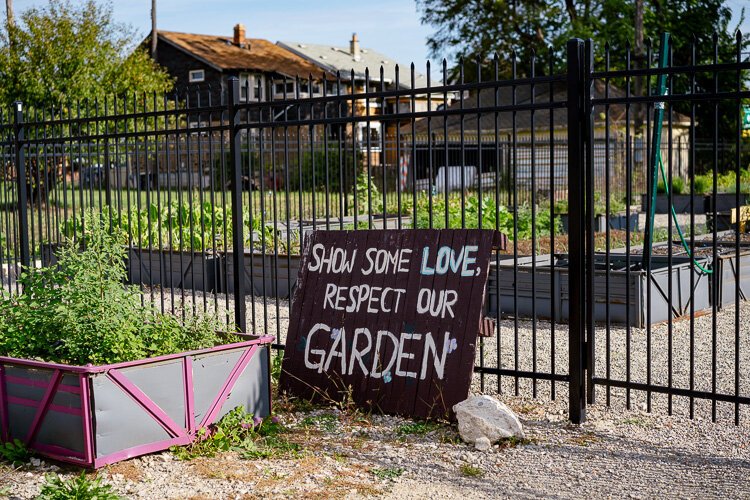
(391, 27)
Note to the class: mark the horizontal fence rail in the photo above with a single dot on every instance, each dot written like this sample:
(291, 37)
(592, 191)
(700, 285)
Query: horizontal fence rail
(215, 193)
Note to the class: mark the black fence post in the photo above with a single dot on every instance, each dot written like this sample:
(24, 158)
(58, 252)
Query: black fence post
(23, 222)
(587, 120)
(238, 239)
(107, 180)
(576, 208)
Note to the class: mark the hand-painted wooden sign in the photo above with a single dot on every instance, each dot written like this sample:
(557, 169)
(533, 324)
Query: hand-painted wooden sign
(388, 317)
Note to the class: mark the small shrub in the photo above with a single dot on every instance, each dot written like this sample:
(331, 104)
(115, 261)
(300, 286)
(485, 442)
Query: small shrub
(76, 488)
(80, 312)
(368, 195)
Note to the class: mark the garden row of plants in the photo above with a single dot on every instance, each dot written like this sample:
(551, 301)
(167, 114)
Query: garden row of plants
(703, 184)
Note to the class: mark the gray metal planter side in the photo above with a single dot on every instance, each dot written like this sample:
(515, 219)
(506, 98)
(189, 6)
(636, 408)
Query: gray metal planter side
(615, 221)
(725, 201)
(266, 274)
(628, 292)
(681, 203)
(728, 272)
(174, 269)
(97, 415)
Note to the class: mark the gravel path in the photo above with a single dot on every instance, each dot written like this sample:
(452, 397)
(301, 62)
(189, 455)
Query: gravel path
(647, 360)
(618, 452)
(349, 455)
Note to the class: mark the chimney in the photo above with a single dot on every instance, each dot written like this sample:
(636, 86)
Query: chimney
(354, 47)
(239, 35)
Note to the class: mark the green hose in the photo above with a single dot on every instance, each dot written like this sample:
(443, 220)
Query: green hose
(674, 216)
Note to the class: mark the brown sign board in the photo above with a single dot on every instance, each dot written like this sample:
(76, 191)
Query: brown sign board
(388, 318)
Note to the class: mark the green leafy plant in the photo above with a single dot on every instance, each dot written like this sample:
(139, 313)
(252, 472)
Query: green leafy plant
(266, 238)
(471, 212)
(470, 470)
(417, 428)
(178, 226)
(276, 360)
(252, 437)
(80, 312)
(678, 186)
(702, 184)
(76, 488)
(368, 195)
(15, 452)
(387, 472)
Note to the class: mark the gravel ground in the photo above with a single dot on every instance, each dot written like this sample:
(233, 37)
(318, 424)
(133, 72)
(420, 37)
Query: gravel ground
(618, 452)
(350, 455)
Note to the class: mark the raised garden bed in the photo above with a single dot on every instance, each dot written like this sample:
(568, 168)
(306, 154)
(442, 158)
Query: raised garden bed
(628, 293)
(175, 269)
(620, 220)
(269, 275)
(726, 270)
(681, 203)
(166, 268)
(92, 416)
(725, 201)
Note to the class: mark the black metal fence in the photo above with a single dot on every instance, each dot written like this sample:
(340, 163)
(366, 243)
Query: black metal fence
(216, 197)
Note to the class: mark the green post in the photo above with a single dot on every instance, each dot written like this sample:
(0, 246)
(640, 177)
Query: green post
(661, 89)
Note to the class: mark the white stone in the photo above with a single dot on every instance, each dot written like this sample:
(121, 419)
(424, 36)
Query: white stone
(482, 444)
(486, 417)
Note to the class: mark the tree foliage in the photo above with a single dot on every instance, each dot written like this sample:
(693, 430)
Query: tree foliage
(475, 29)
(68, 51)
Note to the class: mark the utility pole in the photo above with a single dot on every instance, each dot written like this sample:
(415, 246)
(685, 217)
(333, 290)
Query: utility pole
(637, 62)
(153, 28)
(9, 13)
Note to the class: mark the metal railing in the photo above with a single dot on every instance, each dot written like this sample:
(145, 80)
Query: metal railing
(215, 199)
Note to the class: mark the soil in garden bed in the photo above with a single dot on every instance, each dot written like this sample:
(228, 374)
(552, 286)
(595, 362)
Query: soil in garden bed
(617, 239)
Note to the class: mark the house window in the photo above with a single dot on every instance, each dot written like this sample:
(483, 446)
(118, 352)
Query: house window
(197, 75)
(278, 89)
(334, 88)
(252, 84)
(369, 131)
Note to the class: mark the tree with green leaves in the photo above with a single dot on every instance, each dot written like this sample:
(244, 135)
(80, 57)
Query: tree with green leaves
(475, 30)
(472, 29)
(68, 51)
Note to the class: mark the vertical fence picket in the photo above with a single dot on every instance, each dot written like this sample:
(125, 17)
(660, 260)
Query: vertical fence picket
(238, 241)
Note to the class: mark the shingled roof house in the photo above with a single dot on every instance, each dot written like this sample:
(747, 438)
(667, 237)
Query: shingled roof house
(264, 69)
(352, 64)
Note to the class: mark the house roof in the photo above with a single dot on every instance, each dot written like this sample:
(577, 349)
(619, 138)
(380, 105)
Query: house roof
(258, 55)
(617, 113)
(333, 59)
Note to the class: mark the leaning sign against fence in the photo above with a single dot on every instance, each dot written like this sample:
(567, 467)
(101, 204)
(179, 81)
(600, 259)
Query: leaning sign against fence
(389, 318)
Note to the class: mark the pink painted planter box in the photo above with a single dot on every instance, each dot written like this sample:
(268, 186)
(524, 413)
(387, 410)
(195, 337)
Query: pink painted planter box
(97, 415)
